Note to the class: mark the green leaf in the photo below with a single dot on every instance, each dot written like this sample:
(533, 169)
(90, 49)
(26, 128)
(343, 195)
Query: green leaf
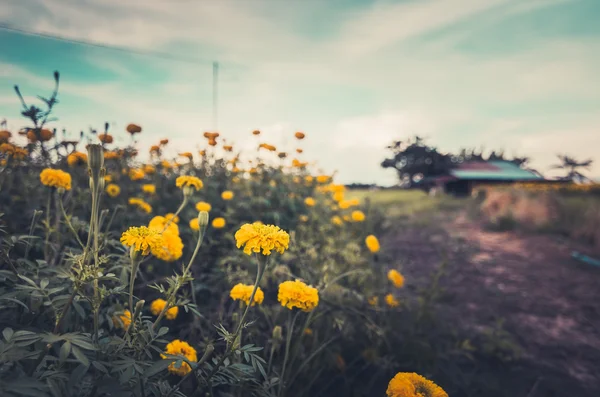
(162, 331)
(65, 350)
(7, 333)
(28, 281)
(81, 342)
(16, 301)
(100, 367)
(80, 356)
(44, 283)
(157, 367)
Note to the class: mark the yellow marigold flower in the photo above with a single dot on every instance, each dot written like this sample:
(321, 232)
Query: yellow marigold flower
(336, 220)
(56, 178)
(338, 196)
(135, 174)
(296, 179)
(346, 218)
(218, 223)
(149, 169)
(170, 216)
(155, 149)
(195, 224)
(242, 292)
(187, 180)
(391, 300)
(111, 155)
(323, 178)
(187, 154)
(308, 179)
(171, 249)
(299, 135)
(166, 165)
(113, 190)
(374, 301)
(141, 204)
(299, 151)
(164, 141)
(236, 179)
(303, 218)
(255, 237)
(308, 331)
(133, 129)
(227, 148)
(158, 223)
(203, 206)
(372, 243)
(406, 384)
(125, 320)
(149, 188)
(272, 183)
(297, 294)
(358, 216)
(108, 178)
(309, 201)
(77, 158)
(396, 278)
(227, 195)
(354, 202)
(345, 204)
(142, 239)
(183, 349)
(158, 306)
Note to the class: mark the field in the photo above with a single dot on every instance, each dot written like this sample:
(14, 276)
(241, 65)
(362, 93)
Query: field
(516, 294)
(222, 273)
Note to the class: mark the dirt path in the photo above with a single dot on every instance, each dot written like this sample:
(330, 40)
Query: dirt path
(550, 302)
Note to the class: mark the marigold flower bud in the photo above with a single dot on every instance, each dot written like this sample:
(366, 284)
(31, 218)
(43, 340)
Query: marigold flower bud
(277, 333)
(203, 218)
(95, 159)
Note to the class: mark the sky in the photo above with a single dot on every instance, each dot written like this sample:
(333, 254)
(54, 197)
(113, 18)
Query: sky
(517, 75)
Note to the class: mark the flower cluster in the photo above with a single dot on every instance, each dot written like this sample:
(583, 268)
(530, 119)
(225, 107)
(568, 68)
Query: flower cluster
(406, 384)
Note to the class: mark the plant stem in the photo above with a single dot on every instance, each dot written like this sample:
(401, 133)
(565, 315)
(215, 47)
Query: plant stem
(49, 202)
(288, 342)
(260, 271)
(68, 221)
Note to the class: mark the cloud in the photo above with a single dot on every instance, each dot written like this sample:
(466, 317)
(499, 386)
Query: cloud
(373, 73)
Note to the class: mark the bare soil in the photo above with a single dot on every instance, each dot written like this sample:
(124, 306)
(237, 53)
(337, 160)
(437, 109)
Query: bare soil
(550, 303)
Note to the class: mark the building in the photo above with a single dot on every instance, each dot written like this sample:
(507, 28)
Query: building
(461, 179)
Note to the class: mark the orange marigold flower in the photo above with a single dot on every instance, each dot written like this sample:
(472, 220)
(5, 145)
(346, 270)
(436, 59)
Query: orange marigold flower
(56, 178)
(391, 300)
(218, 223)
(299, 135)
(256, 132)
(183, 349)
(164, 141)
(297, 294)
(122, 320)
(396, 278)
(309, 201)
(133, 129)
(105, 138)
(372, 243)
(256, 237)
(406, 384)
(243, 292)
(227, 195)
(158, 305)
(186, 180)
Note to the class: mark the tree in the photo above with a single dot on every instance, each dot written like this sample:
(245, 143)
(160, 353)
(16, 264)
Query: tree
(414, 160)
(571, 165)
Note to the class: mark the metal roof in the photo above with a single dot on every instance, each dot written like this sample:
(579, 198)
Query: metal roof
(493, 170)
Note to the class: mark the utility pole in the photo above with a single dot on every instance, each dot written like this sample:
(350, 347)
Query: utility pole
(215, 120)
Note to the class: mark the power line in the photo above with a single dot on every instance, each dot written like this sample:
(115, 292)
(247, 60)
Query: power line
(131, 50)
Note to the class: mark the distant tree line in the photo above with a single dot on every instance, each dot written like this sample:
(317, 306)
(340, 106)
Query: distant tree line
(414, 160)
